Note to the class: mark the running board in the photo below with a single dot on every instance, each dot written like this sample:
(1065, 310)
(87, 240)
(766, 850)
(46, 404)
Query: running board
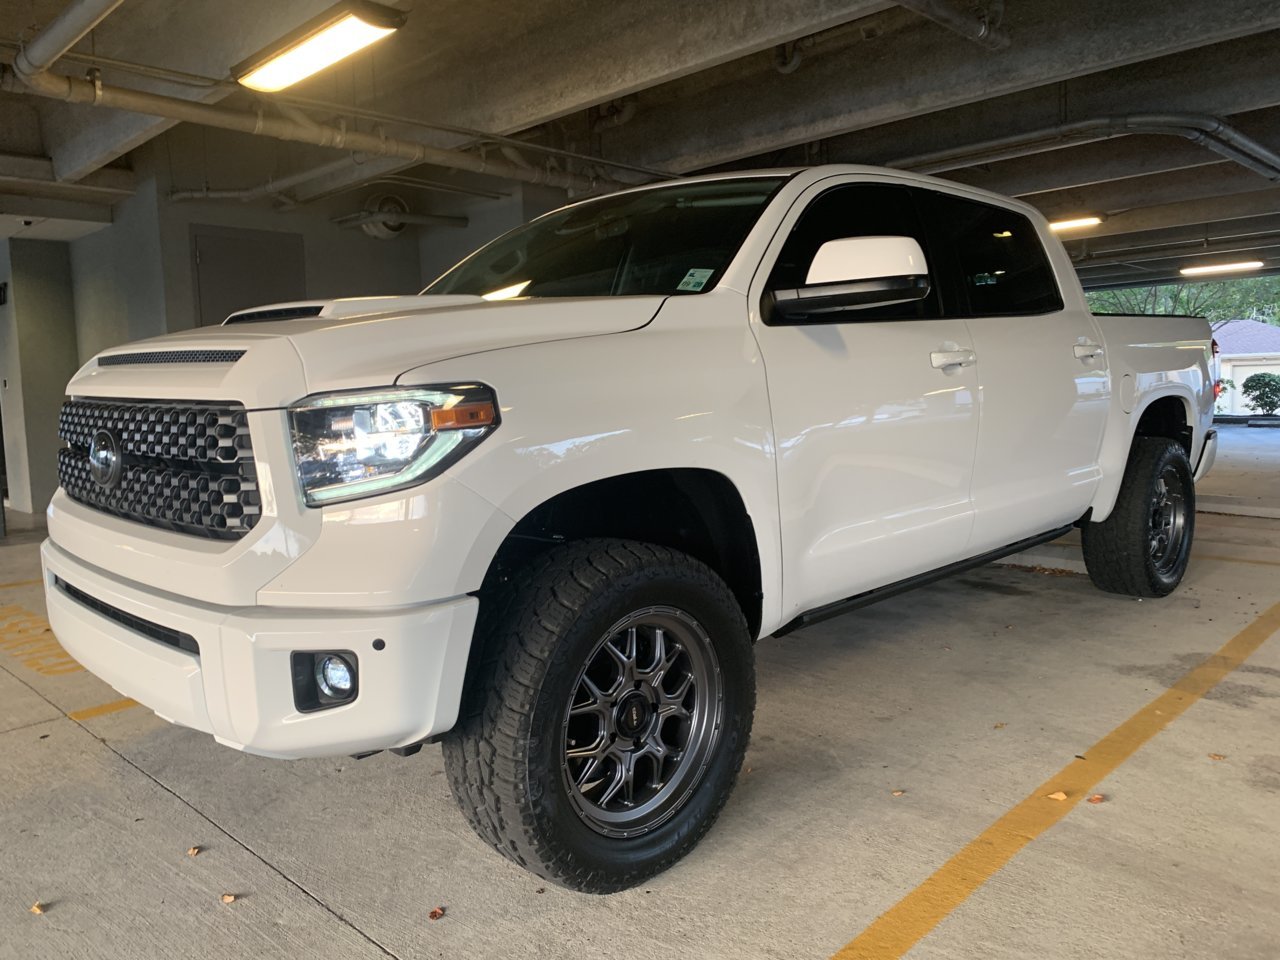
(827, 611)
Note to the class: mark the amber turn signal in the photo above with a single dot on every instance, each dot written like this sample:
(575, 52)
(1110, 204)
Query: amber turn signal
(463, 416)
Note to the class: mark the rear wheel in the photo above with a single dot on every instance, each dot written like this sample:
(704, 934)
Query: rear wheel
(1143, 547)
(605, 726)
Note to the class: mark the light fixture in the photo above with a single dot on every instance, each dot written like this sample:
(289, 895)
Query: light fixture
(1241, 267)
(319, 43)
(1075, 223)
(334, 677)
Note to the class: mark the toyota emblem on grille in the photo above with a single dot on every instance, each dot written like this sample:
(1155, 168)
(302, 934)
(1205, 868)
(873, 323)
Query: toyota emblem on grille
(105, 462)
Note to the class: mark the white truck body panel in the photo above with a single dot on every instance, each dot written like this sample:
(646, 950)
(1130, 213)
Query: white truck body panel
(864, 453)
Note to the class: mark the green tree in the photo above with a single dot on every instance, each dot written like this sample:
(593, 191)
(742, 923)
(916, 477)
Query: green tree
(1248, 298)
(1262, 390)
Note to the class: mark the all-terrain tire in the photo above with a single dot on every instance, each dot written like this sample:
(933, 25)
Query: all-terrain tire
(505, 759)
(1124, 553)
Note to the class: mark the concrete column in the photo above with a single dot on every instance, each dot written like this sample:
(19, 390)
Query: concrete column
(37, 357)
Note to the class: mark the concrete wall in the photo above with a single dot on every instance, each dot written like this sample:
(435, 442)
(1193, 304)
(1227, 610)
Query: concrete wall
(38, 356)
(488, 219)
(136, 278)
(117, 275)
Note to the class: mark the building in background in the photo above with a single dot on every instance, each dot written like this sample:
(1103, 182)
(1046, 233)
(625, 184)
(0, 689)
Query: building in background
(1246, 347)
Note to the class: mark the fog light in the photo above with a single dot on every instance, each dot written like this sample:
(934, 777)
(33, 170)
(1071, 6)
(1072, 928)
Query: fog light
(324, 678)
(334, 677)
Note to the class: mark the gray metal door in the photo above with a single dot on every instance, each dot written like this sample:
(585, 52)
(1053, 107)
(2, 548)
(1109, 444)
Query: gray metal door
(236, 268)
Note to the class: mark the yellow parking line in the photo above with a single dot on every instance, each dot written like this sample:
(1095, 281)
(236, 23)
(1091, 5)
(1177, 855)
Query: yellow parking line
(115, 706)
(903, 925)
(19, 583)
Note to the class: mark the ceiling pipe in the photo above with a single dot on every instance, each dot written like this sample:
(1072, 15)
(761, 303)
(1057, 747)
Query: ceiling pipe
(344, 110)
(272, 187)
(394, 219)
(63, 33)
(981, 29)
(82, 16)
(1210, 132)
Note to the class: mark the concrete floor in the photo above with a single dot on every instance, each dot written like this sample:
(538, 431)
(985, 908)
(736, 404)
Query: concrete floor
(1246, 476)
(965, 695)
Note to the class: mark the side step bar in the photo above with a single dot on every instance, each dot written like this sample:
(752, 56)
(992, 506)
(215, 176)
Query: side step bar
(834, 609)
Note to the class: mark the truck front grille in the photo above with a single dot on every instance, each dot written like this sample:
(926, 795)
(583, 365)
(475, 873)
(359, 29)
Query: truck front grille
(185, 466)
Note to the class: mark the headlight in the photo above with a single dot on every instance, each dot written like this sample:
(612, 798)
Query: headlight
(351, 445)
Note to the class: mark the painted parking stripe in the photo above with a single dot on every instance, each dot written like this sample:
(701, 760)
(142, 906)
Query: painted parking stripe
(903, 925)
(115, 706)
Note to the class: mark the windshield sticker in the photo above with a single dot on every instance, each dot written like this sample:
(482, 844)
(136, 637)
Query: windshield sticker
(695, 279)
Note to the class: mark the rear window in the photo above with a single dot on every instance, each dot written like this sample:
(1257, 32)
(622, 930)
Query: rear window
(995, 260)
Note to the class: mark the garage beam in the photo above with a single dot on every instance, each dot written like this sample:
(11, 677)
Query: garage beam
(33, 176)
(1108, 160)
(1159, 189)
(192, 37)
(44, 208)
(1236, 248)
(1148, 240)
(531, 69)
(1227, 82)
(707, 121)
(1193, 212)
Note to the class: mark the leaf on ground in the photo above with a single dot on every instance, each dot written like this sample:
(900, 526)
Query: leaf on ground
(1097, 798)
(898, 793)
(37, 907)
(1217, 756)
(194, 851)
(999, 726)
(436, 913)
(1056, 795)
(228, 898)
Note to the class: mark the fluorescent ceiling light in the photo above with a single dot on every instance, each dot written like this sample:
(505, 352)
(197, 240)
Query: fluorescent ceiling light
(1221, 268)
(320, 43)
(1075, 224)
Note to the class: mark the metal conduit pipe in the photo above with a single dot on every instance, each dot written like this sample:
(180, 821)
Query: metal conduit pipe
(1210, 132)
(339, 109)
(95, 93)
(980, 29)
(63, 33)
(273, 186)
(29, 75)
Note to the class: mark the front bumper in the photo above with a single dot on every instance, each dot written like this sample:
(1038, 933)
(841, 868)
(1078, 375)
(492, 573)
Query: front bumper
(239, 687)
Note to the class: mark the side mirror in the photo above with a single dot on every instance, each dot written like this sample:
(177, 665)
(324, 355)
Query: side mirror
(853, 274)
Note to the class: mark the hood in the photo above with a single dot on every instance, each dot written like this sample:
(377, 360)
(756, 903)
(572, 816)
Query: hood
(347, 344)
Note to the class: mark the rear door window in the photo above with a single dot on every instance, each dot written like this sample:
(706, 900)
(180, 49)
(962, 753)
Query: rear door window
(991, 259)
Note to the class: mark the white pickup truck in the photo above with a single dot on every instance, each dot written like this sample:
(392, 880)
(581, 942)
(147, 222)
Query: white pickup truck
(542, 511)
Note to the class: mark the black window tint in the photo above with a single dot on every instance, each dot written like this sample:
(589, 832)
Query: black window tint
(668, 240)
(854, 210)
(993, 263)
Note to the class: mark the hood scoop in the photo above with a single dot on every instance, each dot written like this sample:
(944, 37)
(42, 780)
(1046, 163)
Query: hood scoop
(169, 356)
(275, 313)
(346, 307)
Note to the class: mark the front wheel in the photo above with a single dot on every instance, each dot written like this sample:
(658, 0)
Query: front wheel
(1142, 548)
(605, 724)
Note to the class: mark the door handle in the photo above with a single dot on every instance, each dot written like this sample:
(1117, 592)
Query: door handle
(1088, 350)
(941, 359)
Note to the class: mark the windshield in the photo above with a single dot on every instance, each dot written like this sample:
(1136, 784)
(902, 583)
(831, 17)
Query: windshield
(669, 240)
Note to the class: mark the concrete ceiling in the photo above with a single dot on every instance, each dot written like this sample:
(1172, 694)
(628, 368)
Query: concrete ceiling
(681, 87)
